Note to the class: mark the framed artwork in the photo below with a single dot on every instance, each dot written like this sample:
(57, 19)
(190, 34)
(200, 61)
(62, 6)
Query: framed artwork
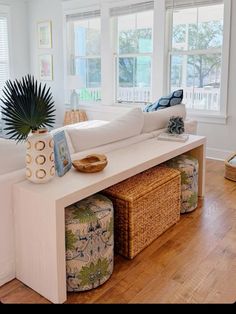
(62, 155)
(46, 67)
(45, 35)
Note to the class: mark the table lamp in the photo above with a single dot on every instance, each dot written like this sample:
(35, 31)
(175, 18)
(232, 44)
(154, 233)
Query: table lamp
(74, 83)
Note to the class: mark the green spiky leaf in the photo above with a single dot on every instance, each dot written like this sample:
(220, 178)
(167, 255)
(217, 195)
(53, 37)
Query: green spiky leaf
(27, 106)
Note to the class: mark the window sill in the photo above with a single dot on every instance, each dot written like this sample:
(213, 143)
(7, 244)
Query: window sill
(211, 118)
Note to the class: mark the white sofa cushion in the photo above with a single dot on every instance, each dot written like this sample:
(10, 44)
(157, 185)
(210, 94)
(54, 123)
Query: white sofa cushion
(81, 125)
(12, 156)
(129, 125)
(159, 119)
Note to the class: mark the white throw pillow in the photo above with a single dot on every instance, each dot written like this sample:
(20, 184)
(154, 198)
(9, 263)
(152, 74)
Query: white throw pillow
(159, 119)
(126, 126)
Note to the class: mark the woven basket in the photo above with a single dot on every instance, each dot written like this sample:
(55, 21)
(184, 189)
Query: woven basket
(230, 170)
(146, 205)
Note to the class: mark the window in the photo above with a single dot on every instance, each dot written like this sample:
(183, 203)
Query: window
(124, 50)
(4, 54)
(84, 54)
(133, 54)
(196, 55)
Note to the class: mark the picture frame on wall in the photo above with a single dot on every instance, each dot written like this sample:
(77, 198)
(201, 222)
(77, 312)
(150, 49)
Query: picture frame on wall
(45, 35)
(46, 67)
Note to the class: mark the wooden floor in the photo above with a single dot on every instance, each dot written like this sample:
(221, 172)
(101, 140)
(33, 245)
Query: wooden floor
(194, 262)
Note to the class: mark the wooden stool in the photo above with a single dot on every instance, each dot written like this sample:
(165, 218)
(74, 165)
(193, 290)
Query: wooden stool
(75, 116)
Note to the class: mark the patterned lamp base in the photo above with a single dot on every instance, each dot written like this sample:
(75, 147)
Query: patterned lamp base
(40, 167)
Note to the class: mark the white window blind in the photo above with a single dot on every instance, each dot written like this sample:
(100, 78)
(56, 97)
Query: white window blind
(133, 8)
(4, 58)
(178, 4)
(83, 16)
(4, 52)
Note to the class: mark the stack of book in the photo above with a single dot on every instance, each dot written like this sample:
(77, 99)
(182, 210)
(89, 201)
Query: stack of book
(173, 137)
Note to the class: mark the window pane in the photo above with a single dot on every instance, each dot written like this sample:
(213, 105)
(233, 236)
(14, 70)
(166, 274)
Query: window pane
(134, 79)
(198, 28)
(199, 76)
(134, 49)
(89, 70)
(135, 33)
(94, 73)
(84, 61)
(87, 38)
(126, 72)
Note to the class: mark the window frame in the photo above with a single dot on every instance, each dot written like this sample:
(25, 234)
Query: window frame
(117, 55)
(72, 11)
(205, 116)
(161, 60)
(6, 12)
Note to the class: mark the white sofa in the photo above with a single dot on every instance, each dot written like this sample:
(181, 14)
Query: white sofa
(83, 138)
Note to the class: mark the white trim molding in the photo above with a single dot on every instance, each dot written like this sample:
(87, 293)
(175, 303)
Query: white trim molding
(218, 154)
(214, 118)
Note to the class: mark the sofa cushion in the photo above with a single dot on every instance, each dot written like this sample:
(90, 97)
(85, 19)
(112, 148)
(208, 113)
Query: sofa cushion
(12, 157)
(159, 119)
(129, 125)
(81, 125)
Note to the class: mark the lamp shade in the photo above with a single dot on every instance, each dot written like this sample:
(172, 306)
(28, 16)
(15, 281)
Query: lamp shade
(75, 82)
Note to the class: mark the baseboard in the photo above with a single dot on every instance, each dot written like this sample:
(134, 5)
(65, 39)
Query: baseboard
(218, 154)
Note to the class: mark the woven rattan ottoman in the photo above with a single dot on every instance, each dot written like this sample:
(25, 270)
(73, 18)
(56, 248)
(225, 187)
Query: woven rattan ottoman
(145, 206)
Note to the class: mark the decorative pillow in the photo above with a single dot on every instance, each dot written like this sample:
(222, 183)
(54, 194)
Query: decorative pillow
(173, 99)
(157, 120)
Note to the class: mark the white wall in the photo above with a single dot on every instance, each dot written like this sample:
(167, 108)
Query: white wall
(19, 40)
(41, 10)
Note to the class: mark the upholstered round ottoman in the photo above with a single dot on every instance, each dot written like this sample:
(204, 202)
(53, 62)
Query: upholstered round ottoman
(89, 243)
(188, 166)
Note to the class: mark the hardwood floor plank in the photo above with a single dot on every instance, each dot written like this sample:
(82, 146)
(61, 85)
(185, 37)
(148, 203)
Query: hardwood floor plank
(193, 262)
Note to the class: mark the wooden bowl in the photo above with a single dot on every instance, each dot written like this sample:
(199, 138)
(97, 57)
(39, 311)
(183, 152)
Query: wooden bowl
(91, 163)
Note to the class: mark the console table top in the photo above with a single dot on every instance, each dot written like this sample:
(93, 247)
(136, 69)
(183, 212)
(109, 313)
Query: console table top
(122, 164)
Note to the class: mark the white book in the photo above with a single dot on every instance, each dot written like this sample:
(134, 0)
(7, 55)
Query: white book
(173, 137)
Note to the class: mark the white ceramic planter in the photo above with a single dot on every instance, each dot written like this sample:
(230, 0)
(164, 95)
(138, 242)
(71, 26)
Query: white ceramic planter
(40, 167)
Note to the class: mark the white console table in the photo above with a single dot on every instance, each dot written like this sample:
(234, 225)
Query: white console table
(40, 209)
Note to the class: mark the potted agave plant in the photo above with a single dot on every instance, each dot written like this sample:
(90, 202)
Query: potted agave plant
(28, 109)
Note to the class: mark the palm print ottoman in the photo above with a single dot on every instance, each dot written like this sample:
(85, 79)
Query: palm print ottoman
(89, 243)
(188, 166)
